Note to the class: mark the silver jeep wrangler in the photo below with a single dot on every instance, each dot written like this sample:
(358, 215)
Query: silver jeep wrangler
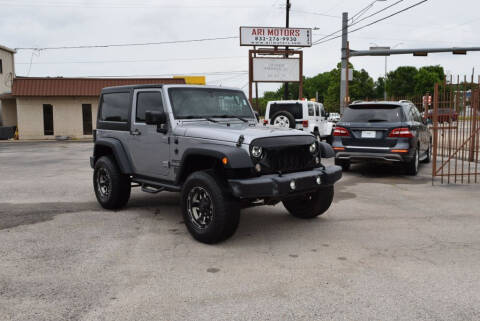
(206, 143)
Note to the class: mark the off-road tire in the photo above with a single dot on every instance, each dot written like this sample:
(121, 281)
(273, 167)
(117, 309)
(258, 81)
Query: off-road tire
(345, 164)
(119, 184)
(226, 211)
(411, 167)
(288, 115)
(310, 205)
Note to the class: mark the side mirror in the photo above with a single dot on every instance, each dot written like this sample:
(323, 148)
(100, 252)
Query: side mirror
(158, 118)
(257, 115)
(327, 114)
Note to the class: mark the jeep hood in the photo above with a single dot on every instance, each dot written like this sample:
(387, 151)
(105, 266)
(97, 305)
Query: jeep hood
(221, 131)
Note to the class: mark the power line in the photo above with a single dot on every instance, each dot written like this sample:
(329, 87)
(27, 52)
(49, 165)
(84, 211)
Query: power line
(315, 13)
(126, 61)
(118, 6)
(126, 44)
(371, 23)
(354, 23)
(171, 74)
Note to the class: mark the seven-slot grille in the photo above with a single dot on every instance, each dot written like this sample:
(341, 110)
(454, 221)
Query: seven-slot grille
(288, 159)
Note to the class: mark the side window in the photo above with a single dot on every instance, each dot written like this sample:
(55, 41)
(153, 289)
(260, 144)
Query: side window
(324, 114)
(115, 107)
(311, 111)
(148, 101)
(408, 115)
(418, 116)
(317, 109)
(1, 67)
(413, 115)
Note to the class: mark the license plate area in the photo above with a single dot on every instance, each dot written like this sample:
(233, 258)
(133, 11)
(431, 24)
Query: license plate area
(368, 134)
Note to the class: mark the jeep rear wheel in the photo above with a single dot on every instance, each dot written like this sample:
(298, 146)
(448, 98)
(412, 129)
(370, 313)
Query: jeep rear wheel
(210, 214)
(112, 188)
(310, 205)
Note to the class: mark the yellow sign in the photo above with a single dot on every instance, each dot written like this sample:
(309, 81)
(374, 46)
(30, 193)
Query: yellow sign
(193, 80)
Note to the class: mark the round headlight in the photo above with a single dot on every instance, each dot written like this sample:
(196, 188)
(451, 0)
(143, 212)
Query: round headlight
(256, 151)
(313, 148)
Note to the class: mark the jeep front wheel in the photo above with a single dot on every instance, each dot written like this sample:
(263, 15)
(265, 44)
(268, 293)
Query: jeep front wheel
(210, 214)
(310, 205)
(112, 188)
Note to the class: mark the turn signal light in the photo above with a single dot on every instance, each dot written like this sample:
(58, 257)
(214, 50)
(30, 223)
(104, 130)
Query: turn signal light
(224, 161)
(401, 132)
(341, 132)
(305, 123)
(399, 150)
(338, 148)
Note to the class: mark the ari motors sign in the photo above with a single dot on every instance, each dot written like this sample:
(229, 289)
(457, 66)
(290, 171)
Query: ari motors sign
(275, 36)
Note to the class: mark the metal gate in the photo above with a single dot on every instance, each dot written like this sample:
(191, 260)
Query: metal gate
(455, 118)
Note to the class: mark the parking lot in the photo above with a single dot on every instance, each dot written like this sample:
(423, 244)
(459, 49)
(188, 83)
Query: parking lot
(391, 247)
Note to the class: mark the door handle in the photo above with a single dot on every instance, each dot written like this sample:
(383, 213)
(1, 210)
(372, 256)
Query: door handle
(136, 132)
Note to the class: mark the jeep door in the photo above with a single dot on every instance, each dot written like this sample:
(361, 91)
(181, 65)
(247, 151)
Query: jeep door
(149, 149)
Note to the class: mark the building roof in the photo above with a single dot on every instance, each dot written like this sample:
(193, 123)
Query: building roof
(7, 49)
(47, 87)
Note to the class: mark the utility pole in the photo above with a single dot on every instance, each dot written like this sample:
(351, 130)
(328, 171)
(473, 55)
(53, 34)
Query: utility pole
(344, 71)
(286, 56)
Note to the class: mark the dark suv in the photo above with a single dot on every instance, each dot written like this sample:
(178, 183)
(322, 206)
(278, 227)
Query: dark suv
(383, 131)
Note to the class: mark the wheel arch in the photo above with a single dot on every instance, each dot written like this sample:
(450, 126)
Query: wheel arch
(210, 156)
(112, 147)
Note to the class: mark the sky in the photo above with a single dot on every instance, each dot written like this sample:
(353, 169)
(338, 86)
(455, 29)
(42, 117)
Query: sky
(47, 23)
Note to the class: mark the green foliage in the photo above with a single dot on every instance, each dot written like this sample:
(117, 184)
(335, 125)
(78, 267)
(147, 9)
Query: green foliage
(400, 82)
(426, 78)
(405, 81)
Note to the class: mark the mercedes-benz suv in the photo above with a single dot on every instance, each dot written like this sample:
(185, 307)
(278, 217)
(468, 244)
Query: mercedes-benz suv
(392, 132)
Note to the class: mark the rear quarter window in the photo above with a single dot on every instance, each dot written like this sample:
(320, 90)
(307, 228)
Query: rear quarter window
(115, 107)
(373, 113)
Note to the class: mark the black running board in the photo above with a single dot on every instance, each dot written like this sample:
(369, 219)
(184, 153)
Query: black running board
(156, 185)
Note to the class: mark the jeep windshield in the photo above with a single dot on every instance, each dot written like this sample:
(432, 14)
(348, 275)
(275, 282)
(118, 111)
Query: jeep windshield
(192, 103)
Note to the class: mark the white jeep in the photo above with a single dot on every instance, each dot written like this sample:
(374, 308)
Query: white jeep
(304, 115)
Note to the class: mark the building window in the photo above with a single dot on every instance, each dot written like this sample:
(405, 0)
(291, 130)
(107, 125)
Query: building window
(47, 120)
(87, 119)
(1, 67)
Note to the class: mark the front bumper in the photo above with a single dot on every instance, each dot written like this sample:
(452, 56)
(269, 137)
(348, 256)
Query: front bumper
(277, 186)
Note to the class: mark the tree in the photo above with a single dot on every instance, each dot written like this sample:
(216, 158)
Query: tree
(401, 81)
(426, 78)
(379, 88)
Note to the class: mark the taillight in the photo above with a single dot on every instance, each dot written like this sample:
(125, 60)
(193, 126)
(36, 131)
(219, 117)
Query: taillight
(340, 131)
(305, 123)
(401, 132)
(265, 122)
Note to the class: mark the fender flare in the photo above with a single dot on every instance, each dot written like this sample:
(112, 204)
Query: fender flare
(237, 157)
(119, 153)
(326, 151)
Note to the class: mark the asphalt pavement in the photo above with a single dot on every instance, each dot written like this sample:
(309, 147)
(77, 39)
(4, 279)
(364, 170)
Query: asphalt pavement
(391, 247)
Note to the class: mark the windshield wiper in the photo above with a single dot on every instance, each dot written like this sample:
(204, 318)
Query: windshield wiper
(197, 117)
(230, 116)
(376, 120)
